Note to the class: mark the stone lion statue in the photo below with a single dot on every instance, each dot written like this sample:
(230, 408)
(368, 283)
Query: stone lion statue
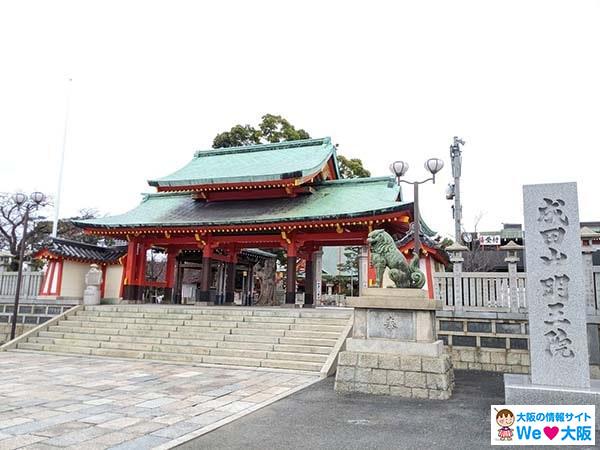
(385, 254)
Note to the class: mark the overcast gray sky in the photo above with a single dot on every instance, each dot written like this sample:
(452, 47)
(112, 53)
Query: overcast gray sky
(155, 81)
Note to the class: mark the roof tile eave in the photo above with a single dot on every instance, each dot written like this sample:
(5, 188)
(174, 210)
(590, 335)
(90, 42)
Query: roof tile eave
(366, 214)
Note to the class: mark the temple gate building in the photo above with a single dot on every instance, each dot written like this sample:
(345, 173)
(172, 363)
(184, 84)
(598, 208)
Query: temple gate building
(285, 195)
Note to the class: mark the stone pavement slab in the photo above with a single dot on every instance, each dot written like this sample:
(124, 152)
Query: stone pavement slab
(54, 401)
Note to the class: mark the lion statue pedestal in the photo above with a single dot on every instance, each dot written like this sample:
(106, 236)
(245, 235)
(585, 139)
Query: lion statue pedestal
(394, 349)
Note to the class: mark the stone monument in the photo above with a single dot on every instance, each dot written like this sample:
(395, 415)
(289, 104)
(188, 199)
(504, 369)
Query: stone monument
(560, 372)
(93, 280)
(393, 349)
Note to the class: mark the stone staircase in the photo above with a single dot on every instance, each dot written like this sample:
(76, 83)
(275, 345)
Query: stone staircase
(296, 339)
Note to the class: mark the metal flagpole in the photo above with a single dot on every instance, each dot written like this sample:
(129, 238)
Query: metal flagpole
(62, 162)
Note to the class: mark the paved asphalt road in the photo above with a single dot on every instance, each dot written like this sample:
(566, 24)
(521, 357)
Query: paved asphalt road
(317, 418)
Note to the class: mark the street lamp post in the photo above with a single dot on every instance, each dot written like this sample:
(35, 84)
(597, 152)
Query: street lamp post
(399, 169)
(21, 200)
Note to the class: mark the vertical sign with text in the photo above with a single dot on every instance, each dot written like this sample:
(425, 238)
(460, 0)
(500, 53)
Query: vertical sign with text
(555, 286)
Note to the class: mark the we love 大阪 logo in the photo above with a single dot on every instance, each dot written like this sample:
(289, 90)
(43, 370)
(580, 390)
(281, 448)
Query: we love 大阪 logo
(542, 425)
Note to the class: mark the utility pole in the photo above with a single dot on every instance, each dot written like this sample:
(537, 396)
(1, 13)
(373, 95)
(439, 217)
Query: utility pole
(453, 191)
(62, 162)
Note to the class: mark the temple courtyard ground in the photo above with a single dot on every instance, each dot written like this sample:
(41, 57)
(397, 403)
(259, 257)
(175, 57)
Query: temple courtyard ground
(53, 401)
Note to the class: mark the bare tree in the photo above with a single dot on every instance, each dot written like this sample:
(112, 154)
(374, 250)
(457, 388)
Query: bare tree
(478, 259)
(12, 234)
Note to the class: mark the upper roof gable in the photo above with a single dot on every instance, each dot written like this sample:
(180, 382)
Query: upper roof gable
(254, 163)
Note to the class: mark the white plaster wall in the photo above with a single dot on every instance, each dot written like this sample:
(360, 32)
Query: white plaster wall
(73, 279)
(112, 287)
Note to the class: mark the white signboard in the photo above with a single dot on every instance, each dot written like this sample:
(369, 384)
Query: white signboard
(493, 239)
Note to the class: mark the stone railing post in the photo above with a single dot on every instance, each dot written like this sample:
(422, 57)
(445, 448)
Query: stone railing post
(512, 259)
(455, 250)
(587, 249)
(363, 270)
(317, 258)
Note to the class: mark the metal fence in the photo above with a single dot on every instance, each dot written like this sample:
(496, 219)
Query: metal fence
(30, 284)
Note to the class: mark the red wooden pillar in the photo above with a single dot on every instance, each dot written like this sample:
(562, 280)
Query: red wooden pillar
(309, 298)
(230, 278)
(141, 271)
(169, 278)
(130, 284)
(171, 259)
(204, 293)
(290, 288)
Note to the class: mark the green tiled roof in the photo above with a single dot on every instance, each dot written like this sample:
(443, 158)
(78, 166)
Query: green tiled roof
(331, 199)
(253, 163)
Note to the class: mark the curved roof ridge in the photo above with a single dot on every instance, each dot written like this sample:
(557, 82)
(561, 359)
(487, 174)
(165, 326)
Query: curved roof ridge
(262, 147)
(355, 180)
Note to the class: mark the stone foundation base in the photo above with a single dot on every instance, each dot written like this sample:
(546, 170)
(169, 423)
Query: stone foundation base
(388, 374)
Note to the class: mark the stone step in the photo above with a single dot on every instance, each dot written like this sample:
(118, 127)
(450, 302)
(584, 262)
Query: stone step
(128, 332)
(261, 332)
(84, 317)
(70, 329)
(325, 315)
(301, 349)
(41, 340)
(76, 321)
(223, 323)
(189, 342)
(307, 341)
(317, 321)
(231, 361)
(135, 339)
(316, 358)
(181, 357)
(191, 349)
(30, 346)
(127, 346)
(209, 329)
(188, 334)
(68, 349)
(51, 333)
(265, 325)
(312, 334)
(246, 345)
(294, 365)
(273, 319)
(270, 338)
(76, 343)
(116, 317)
(144, 326)
(235, 353)
(320, 328)
(251, 338)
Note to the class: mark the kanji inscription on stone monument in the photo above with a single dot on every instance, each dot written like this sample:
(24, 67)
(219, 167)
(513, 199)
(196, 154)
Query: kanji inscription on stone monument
(555, 286)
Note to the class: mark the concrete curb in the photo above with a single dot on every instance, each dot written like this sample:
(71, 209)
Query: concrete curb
(331, 364)
(32, 333)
